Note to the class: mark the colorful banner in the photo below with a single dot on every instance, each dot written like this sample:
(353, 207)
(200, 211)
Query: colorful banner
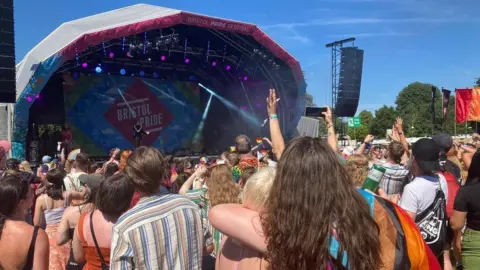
(474, 109)
(445, 101)
(102, 110)
(463, 98)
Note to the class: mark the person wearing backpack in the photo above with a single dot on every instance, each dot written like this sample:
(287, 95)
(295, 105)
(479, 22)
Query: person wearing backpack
(424, 198)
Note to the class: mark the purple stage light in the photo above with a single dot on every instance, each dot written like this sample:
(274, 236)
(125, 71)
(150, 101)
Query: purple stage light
(129, 55)
(37, 96)
(245, 78)
(244, 108)
(227, 67)
(163, 58)
(84, 64)
(214, 63)
(187, 60)
(111, 55)
(259, 105)
(29, 99)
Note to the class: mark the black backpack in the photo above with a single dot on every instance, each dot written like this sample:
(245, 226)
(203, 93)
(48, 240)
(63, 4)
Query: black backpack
(433, 224)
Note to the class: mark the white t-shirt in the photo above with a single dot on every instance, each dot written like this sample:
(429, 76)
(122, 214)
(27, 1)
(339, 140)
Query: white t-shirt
(72, 183)
(419, 194)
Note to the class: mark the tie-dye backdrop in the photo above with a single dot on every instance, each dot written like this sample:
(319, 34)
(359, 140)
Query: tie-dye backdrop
(102, 109)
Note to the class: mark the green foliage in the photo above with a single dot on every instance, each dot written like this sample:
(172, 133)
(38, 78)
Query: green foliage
(358, 133)
(477, 82)
(384, 119)
(366, 118)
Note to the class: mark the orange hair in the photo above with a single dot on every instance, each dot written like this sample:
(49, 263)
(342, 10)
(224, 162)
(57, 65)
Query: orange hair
(123, 159)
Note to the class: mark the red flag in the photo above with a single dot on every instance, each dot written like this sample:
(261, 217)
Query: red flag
(474, 108)
(463, 98)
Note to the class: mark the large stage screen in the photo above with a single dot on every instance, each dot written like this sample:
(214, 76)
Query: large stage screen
(102, 109)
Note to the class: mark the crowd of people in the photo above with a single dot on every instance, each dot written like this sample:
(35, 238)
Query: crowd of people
(296, 205)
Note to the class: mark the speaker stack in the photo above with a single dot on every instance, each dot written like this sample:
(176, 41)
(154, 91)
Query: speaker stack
(350, 82)
(7, 53)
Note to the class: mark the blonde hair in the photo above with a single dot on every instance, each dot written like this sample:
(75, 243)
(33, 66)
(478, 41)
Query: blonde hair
(25, 167)
(357, 169)
(221, 187)
(258, 187)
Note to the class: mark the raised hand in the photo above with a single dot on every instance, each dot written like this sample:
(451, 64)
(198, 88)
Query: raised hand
(328, 115)
(399, 125)
(369, 139)
(272, 102)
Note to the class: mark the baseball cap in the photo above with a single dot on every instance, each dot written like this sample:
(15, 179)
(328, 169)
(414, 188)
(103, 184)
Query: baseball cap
(92, 181)
(46, 159)
(426, 153)
(444, 141)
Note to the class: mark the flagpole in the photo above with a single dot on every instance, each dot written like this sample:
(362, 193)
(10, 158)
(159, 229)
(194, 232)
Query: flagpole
(455, 120)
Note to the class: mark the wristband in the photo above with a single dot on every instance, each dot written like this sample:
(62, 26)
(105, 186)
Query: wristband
(273, 116)
(400, 133)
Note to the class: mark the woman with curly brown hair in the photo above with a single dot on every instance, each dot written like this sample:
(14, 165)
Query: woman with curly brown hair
(357, 168)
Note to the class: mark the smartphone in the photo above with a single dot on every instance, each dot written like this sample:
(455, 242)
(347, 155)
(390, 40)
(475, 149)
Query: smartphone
(315, 111)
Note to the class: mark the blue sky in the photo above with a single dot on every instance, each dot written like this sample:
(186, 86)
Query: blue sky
(433, 41)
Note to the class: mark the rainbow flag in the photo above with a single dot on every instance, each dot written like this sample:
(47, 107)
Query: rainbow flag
(259, 140)
(402, 244)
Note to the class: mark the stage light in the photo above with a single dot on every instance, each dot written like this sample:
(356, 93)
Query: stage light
(259, 105)
(214, 63)
(111, 55)
(228, 67)
(37, 96)
(244, 108)
(98, 70)
(75, 75)
(187, 60)
(142, 73)
(84, 64)
(123, 71)
(29, 99)
(245, 78)
(155, 75)
(163, 58)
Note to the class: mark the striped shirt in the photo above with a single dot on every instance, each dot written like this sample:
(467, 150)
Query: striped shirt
(199, 197)
(394, 179)
(160, 232)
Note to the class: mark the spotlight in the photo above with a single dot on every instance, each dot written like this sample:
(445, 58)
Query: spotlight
(142, 73)
(98, 70)
(245, 78)
(259, 105)
(277, 67)
(37, 96)
(187, 60)
(111, 55)
(84, 64)
(265, 57)
(175, 39)
(228, 67)
(75, 75)
(29, 99)
(214, 63)
(255, 50)
(129, 54)
(163, 58)
(155, 75)
(123, 71)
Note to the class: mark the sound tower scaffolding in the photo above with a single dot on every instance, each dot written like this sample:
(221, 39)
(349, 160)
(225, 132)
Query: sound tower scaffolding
(347, 62)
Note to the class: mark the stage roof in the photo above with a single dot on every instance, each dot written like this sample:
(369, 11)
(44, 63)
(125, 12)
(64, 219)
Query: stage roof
(74, 36)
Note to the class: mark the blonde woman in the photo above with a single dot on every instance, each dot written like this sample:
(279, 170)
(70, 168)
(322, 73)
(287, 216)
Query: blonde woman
(25, 167)
(234, 254)
(357, 169)
(219, 188)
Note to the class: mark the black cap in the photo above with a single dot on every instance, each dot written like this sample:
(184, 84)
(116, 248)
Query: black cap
(444, 141)
(92, 181)
(426, 153)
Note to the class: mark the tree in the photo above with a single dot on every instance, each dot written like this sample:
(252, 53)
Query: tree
(384, 119)
(309, 100)
(358, 133)
(366, 118)
(477, 82)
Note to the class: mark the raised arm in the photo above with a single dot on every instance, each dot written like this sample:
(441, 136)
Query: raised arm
(367, 141)
(278, 143)
(332, 137)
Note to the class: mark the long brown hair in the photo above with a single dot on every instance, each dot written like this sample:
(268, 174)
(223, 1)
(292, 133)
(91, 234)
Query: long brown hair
(123, 159)
(311, 195)
(221, 187)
